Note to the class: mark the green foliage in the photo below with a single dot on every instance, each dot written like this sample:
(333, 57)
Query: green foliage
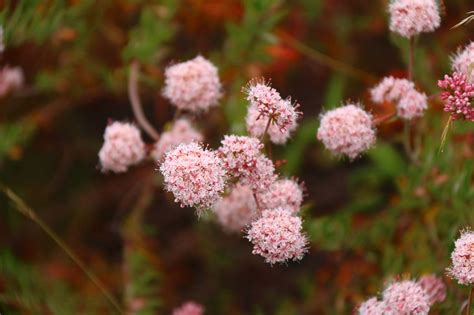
(13, 134)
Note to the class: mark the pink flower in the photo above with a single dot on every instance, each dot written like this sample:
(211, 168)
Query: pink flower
(122, 148)
(412, 105)
(237, 209)
(458, 96)
(372, 307)
(260, 177)
(405, 298)
(194, 175)
(11, 78)
(434, 288)
(189, 308)
(277, 236)
(347, 130)
(193, 85)
(284, 193)
(412, 17)
(462, 257)
(181, 132)
(463, 62)
(239, 154)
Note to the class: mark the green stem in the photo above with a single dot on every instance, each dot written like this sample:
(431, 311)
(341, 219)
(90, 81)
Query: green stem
(24, 209)
(407, 142)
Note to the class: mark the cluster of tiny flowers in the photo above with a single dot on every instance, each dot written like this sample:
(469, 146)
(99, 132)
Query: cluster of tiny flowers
(194, 175)
(277, 236)
(286, 193)
(458, 96)
(434, 287)
(193, 85)
(412, 17)
(239, 154)
(372, 307)
(409, 102)
(347, 130)
(261, 176)
(463, 61)
(11, 78)
(122, 148)
(181, 132)
(405, 297)
(189, 308)
(236, 210)
(462, 258)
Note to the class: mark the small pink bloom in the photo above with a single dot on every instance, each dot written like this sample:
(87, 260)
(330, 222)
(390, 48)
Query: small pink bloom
(189, 308)
(463, 62)
(412, 17)
(239, 154)
(193, 85)
(405, 298)
(260, 177)
(11, 78)
(372, 307)
(458, 96)
(462, 258)
(412, 105)
(122, 148)
(284, 193)
(434, 288)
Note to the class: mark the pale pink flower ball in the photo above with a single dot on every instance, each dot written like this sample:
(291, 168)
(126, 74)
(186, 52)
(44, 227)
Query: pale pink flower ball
(405, 298)
(277, 236)
(239, 154)
(181, 132)
(390, 89)
(412, 105)
(261, 176)
(434, 288)
(236, 210)
(372, 307)
(284, 193)
(462, 258)
(11, 78)
(463, 61)
(189, 308)
(122, 148)
(194, 175)
(412, 17)
(347, 130)
(193, 85)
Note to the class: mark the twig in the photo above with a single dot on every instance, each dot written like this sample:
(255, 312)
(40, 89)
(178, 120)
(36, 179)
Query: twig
(259, 209)
(411, 58)
(136, 103)
(28, 212)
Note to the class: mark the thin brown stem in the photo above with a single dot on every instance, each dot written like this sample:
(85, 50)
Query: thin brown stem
(259, 209)
(411, 58)
(407, 142)
(136, 103)
(469, 301)
(28, 212)
(262, 137)
(382, 119)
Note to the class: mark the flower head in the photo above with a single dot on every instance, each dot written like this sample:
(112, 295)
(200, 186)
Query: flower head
(11, 78)
(463, 62)
(261, 176)
(193, 85)
(189, 308)
(239, 154)
(284, 193)
(404, 298)
(412, 105)
(122, 148)
(462, 258)
(347, 130)
(277, 236)
(412, 17)
(372, 307)
(458, 96)
(181, 132)
(237, 209)
(434, 288)
(194, 175)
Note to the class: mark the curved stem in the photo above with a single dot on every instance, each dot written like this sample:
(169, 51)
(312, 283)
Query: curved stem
(445, 134)
(136, 103)
(28, 212)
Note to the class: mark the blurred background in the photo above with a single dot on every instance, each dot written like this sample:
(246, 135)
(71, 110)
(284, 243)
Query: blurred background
(368, 221)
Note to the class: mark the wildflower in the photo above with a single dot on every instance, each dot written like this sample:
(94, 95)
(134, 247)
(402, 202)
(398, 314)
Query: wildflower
(434, 288)
(239, 154)
(458, 96)
(194, 175)
(463, 62)
(412, 105)
(462, 258)
(11, 78)
(237, 209)
(277, 236)
(372, 307)
(193, 85)
(405, 297)
(122, 148)
(189, 308)
(347, 130)
(412, 17)
(261, 176)
(284, 193)
(181, 132)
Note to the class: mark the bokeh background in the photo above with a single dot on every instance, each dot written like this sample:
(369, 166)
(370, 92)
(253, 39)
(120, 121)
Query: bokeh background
(368, 221)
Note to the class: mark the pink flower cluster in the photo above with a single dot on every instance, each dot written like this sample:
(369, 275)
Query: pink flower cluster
(372, 307)
(194, 175)
(347, 130)
(11, 78)
(462, 258)
(412, 17)
(458, 96)
(463, 62)
(285, 193)
(434, 287)
(189, 308)
(410, 103)
(277, 236)
(193, 85)
(181, 132)
(122, 148)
